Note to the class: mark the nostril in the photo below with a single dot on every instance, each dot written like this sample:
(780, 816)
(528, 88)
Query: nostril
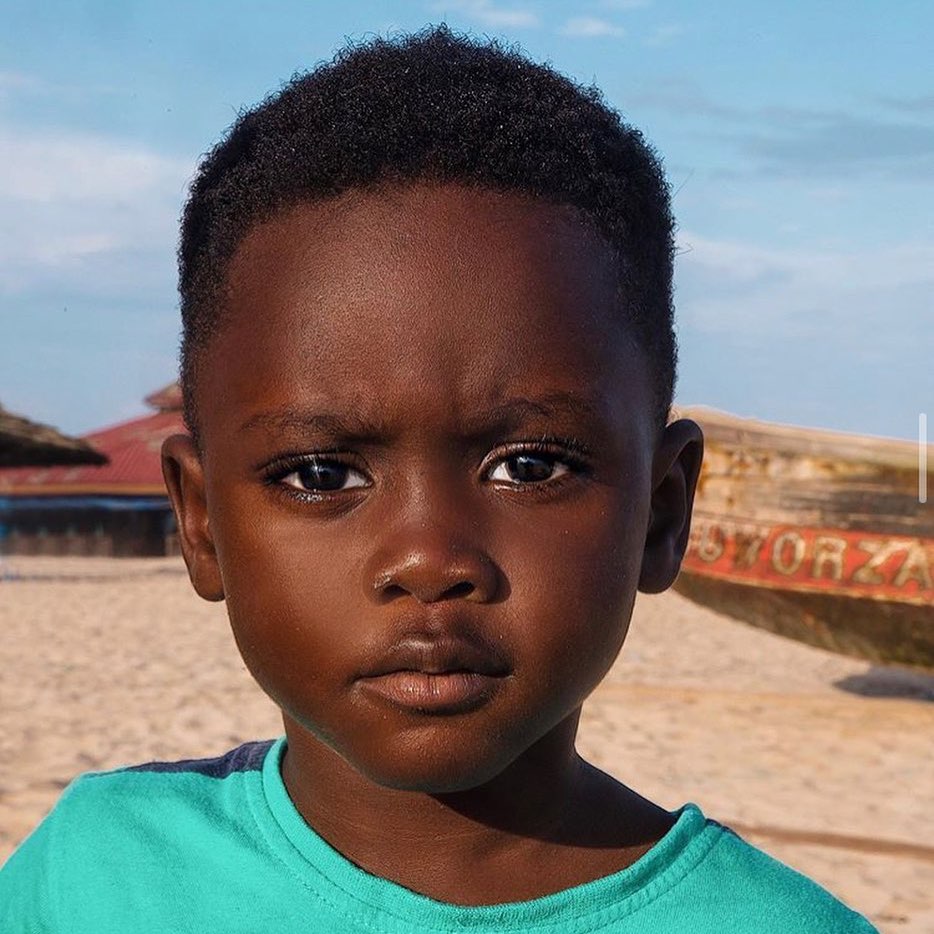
(463, 589)
(430, 576)
(391, 591)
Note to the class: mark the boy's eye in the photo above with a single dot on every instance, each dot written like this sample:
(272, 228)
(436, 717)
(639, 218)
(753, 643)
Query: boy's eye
(318, 475)
(528, 468)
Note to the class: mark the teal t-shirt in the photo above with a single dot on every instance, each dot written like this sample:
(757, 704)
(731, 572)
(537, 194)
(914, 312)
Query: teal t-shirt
(217, 845)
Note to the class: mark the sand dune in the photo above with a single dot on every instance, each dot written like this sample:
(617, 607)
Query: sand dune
(821, 760)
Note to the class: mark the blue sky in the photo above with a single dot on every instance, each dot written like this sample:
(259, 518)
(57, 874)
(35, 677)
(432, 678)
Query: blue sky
(799, 139)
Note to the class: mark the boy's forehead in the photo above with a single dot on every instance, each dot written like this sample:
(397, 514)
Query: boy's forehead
(394, 224)
(460, 298)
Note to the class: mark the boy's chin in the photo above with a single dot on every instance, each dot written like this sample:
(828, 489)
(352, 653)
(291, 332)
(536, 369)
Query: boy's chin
(430, 772)
(437, 756)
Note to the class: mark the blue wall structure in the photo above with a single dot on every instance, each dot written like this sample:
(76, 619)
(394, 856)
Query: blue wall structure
(122, 526)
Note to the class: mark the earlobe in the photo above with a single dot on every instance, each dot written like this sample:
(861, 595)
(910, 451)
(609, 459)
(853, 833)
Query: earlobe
(676, 468)
(184, 478)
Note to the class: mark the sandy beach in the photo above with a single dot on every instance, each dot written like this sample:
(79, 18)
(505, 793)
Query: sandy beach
(821, 760)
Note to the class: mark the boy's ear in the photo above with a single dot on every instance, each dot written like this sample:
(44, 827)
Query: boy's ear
(184, 477)
(675, 471)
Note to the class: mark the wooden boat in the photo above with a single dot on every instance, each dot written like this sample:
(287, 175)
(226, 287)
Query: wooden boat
(816, 535)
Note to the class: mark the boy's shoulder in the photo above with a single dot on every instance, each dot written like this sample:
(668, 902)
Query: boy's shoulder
(247, 757)
(131, 830)
(146, 800)
(120, 786)
(160, 786)
(740, 884)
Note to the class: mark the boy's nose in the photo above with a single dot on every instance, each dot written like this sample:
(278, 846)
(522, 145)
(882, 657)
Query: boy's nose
(432, 569)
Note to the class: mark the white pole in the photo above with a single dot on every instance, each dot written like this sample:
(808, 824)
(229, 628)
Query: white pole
(922, 457)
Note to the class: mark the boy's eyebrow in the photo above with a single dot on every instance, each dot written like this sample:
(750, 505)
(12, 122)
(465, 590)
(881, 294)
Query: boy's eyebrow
(350, 425)
(515, 410)
(544, 405)
(507, 415)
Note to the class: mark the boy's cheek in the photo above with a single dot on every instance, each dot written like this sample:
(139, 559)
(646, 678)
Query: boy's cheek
(286, 571)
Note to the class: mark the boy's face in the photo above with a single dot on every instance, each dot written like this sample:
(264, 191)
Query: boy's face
(431, 477)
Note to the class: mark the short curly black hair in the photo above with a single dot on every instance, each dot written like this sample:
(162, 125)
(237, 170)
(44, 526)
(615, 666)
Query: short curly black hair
(439, 107)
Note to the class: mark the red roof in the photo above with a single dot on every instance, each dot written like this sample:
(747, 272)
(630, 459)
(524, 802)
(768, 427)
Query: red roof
(134, 469)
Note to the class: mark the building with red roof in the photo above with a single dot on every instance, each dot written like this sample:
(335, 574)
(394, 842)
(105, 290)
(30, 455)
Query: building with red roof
(120, 508)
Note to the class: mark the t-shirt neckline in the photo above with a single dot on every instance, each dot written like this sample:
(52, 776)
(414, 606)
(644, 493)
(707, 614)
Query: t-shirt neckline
(377, 903)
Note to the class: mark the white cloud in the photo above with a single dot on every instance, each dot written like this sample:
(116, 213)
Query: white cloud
(70, 200)
(47, 166)
(664, 35)
(819, 335)
(921, 106)
(818, 143)
(591, 27)
(795, 141)
(16, 81)
(490, 14)
(625, 4)
(856, 295)
(684, 98)
(24, 85)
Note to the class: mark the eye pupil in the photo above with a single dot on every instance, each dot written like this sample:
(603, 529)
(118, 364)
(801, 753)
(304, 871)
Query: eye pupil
(528, 469)
(322, 475)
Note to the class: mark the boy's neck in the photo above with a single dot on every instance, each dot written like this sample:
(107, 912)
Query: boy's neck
(548, 822)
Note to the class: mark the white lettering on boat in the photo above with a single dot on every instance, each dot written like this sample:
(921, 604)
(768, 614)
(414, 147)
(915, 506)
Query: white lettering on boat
(828, 553)
(797, 557)
(785, 559)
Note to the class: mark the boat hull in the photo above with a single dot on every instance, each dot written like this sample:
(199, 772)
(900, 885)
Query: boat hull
(878, 631)
(815, 536)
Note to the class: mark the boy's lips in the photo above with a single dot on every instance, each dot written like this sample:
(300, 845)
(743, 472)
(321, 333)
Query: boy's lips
(443, 675)
(441, 655)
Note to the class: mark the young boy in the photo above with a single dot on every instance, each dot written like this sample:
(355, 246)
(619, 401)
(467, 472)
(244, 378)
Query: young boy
(427, 361)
